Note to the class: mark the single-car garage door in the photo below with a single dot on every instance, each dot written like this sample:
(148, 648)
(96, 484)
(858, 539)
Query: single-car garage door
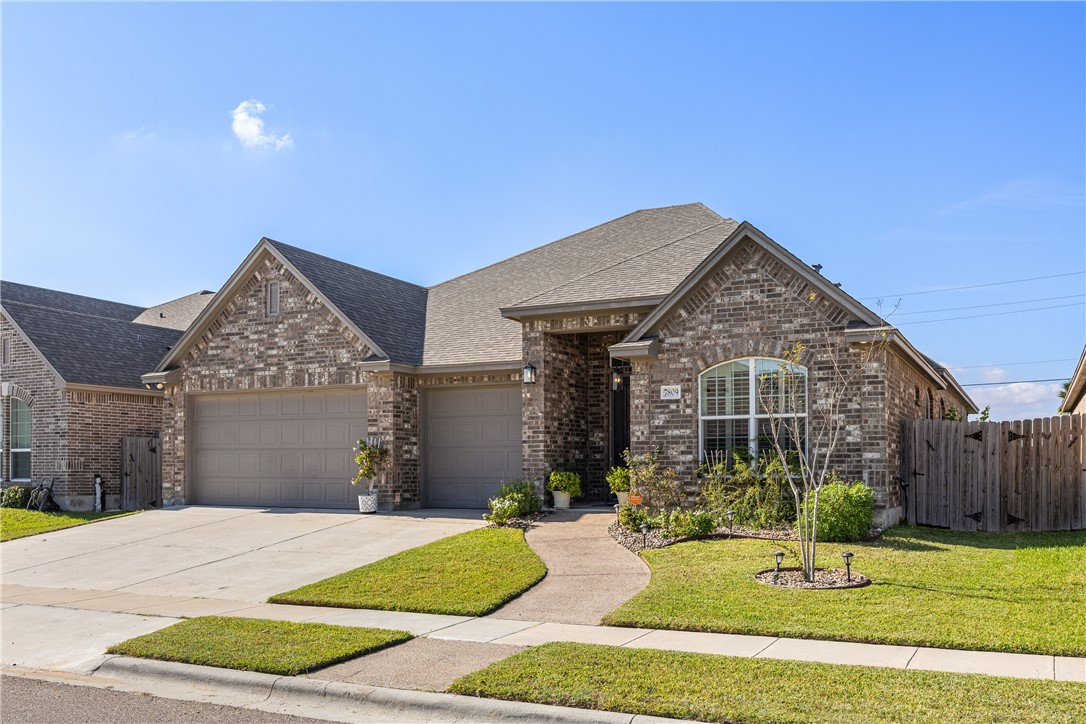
(278, 449)
(472, 444)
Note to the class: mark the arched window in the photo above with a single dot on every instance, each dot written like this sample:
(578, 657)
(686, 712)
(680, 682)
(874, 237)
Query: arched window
(736, 399)
(931, 406)
(19, 434)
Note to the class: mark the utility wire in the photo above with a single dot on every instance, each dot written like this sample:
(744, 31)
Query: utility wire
(995, 304)
(1015, 364)
(977, 286)
(993, 314)
(1014, 382)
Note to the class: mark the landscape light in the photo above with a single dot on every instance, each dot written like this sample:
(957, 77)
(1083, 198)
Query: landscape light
(848, 565)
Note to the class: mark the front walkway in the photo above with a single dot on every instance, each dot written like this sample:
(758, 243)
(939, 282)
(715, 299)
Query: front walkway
(35, 614)
(588, 574)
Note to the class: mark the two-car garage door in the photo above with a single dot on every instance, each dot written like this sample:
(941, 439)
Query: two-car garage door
(283, 448)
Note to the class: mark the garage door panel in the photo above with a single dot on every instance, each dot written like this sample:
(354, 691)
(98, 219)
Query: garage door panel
(472, 443)
(277, 448)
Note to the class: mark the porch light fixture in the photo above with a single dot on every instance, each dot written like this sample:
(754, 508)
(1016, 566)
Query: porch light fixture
(616, 379)
(779, 557)
(848, 565)
(154, 385)
(528, 374)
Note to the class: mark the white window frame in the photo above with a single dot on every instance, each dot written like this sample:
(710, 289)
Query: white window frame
(752, 416)
(28, 450)
(272, 301)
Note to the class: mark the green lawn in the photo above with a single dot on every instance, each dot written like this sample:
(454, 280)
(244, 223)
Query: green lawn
(1023, 592)
(256, 644)
(724, 688)
(19, 523)
(470, 574)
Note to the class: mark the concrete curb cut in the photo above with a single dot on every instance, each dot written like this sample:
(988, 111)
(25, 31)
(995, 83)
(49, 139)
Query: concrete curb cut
(247, 688)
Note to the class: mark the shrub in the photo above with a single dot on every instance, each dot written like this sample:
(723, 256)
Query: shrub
(619, 480)
(515, 499)
(15, 497)
(844, 511)
(565, 482)
(759, 495)
(659, 484)
(682, 523)
(632, 517)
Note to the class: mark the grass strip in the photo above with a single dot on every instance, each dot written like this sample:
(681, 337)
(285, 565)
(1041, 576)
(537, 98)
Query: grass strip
(256, 644)
(19, 523)
(469, 574)
(1019, 592)
(723, 688)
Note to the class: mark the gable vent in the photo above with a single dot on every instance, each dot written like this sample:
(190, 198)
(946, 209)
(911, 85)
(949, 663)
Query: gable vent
(273, 299)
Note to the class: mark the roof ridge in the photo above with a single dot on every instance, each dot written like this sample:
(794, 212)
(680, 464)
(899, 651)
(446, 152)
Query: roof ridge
(625, 260)
(567, 237)
(69, 294)
(275, 242)
(83, 314)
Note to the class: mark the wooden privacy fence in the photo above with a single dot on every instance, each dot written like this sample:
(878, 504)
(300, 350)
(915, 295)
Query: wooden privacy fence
(996, 476)
(141, 473)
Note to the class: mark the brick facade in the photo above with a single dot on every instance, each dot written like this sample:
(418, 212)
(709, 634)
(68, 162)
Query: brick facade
(75, 434)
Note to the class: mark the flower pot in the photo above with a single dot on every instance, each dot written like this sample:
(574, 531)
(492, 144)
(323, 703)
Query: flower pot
(561, 500)
(367, 502)
(623, 497)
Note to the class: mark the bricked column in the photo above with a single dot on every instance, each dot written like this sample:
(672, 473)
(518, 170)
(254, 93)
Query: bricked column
(174, 485)
(394, 417)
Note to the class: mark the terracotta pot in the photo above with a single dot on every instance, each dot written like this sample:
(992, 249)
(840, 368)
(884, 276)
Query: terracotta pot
(561, 500)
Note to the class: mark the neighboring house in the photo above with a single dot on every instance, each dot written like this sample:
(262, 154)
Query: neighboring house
(1074, 402)
(70, 381)
(299, 355)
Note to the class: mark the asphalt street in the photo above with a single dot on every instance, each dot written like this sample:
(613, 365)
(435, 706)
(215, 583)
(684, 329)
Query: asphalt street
(28, 701)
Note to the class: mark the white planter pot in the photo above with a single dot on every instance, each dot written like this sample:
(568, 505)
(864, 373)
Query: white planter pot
(623, 497)
(367, 503)
(561, 500)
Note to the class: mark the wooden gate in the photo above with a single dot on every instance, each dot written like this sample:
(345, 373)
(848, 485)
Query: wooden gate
(141, 472)
(993, 476)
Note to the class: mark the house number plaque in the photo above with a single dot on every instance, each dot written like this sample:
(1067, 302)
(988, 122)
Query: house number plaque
(671, 392)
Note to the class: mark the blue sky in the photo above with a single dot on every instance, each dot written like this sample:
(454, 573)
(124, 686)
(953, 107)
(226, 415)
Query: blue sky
(906, 147)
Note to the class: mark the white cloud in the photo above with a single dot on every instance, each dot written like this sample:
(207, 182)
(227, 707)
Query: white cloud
(248, 126)
(1020, 400)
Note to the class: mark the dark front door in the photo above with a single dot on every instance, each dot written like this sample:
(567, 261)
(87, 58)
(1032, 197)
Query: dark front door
(620, 419)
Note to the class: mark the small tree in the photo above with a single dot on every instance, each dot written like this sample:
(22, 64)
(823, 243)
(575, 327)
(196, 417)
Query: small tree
(805, 445)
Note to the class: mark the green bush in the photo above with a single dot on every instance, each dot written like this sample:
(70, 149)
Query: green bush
(619, 480)
(632, 517)
(682, 523)
(759, 495)
(844, 511)
(15, 497)
(565, 482)
(659, 484)
(514, 500)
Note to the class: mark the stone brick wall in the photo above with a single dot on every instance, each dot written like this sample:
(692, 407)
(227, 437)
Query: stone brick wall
(754, 306)
(36, 385)
(306, 345)
(96, 423)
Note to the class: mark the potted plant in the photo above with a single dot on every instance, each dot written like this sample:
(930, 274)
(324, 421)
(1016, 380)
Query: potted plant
(563, 485)
(619, 481)
(370, 456)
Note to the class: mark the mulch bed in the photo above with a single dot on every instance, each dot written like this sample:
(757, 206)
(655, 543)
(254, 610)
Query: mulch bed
(523, 523)
(636, 541)
(825, 578)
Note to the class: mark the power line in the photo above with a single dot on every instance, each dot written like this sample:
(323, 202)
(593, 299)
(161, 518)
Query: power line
(995, 304)
(978, 286)
(1015, 364)
(1015, 382)
(995, 314)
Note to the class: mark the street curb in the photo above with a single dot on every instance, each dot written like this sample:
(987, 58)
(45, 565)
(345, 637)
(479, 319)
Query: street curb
(333, 698)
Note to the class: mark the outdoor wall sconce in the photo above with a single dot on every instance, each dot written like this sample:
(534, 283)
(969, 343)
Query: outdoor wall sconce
(528, 374)
(616, 379)
(848, 565)
(779, 557)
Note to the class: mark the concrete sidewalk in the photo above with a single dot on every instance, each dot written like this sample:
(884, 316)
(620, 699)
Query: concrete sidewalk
(23, 611)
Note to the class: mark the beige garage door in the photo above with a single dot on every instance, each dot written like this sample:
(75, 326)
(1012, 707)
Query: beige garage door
(280, 449)
(472, 444)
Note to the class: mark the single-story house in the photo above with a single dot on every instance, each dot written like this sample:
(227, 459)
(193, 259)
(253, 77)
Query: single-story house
(643, 332)
(70, 385)
(1074, 401)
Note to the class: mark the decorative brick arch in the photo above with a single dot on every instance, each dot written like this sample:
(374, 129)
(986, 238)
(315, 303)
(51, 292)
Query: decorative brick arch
(21, 393)
(728, 351)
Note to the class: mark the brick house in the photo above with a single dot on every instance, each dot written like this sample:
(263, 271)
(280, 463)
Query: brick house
(70, 381)
(642, 332)
(1074, 402)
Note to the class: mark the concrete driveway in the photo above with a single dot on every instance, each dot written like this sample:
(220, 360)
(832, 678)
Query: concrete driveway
(240, 554)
